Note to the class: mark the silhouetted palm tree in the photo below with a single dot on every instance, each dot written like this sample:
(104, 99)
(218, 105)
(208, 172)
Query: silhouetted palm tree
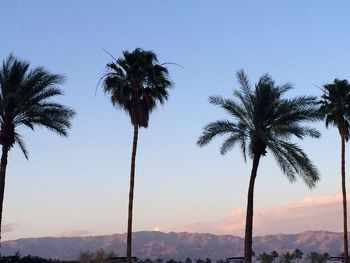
(335, 108)
(136, 83)
(262, 120)
(298, 254)
(25, 100)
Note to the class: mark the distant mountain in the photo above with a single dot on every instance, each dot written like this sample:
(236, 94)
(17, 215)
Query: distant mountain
(174, 245)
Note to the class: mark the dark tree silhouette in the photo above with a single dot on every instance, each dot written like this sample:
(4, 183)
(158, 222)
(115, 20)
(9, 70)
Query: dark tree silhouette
(265, 258)
(298, 254)
(263, 120)
(26, 101)
(274, 254)
(136, 83)
(315, 257)
(288, 258)
(335, 108)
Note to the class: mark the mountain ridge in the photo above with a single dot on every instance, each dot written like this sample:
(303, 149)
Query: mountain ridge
(156, 244)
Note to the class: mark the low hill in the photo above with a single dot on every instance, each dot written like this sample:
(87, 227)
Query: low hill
(150, 244)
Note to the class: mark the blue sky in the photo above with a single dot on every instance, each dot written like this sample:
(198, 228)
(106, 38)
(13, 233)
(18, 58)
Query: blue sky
(81, 183)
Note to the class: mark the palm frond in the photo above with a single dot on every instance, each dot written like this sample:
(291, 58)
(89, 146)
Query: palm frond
(26, 100)
(214, 129)
(21, 144)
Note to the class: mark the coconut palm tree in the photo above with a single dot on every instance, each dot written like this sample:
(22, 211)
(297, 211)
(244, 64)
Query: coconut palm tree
(335, 108)
(136, 83)
(26, 101)
(263, 120)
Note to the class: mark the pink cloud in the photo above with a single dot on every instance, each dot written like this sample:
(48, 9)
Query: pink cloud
(311, 213)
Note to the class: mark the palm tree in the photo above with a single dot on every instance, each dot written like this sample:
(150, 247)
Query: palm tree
(136, 83)
(263, 120)
(298, 254)
(335, 108)
(25, 100)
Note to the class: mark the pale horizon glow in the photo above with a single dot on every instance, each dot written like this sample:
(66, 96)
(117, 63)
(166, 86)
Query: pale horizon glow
(312, 213)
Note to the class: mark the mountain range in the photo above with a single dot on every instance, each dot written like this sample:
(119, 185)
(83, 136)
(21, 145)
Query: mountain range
(152, 244)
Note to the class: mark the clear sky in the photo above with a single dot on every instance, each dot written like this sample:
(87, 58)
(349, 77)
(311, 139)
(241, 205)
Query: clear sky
(79, 185)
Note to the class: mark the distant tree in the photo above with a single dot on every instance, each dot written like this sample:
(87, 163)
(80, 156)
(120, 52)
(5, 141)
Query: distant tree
(207, 260)
(298, 254)
(263, 120)
(159, 260)
(221, 261)
(101, 255)
(315, 257)
(335, 108)
(98, 256)
(188, 260)
(137, 83)
(274, 254)
(288, 257)
(26, 101)
(265, 258)
(11, 259)
(85, 256)
(27, 259)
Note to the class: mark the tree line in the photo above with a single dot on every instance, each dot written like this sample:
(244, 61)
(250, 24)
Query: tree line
(103, 256)
(261, 119)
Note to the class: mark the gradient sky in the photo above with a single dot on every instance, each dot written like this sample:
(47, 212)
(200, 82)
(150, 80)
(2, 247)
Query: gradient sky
(79, 185)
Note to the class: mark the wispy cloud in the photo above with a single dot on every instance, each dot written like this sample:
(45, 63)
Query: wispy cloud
(311, 213)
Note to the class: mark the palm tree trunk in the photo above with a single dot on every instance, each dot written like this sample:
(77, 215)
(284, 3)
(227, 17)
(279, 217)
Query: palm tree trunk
(131, 195)
(248, 239)
(3, 165)
(345, 212)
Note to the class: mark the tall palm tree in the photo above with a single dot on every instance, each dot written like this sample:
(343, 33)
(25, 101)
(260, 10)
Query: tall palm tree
(335, 108)
(263, 120)
(136, 83)
(25, 100)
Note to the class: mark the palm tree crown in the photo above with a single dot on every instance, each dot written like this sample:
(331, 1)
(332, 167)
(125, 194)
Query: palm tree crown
(335, 106)
(136, 83)
(25, 101)
(263, 120)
